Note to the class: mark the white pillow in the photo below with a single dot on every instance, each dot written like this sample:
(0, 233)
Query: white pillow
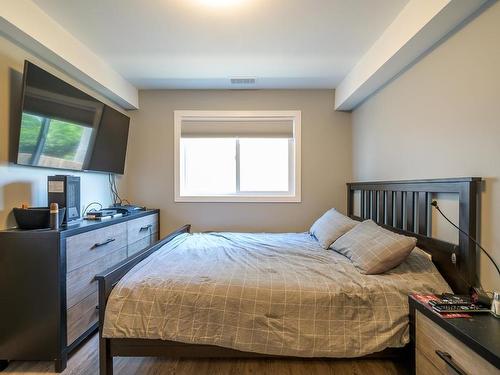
(331, 226)
(374, 249)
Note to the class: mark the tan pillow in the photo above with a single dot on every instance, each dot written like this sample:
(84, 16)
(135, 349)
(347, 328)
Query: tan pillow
(374, 249)
(331, 226)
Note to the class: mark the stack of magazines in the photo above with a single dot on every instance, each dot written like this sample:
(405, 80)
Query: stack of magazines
(450, 306)
(452, 303)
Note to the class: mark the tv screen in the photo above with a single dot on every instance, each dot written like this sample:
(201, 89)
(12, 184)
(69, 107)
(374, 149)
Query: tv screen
(62, 127)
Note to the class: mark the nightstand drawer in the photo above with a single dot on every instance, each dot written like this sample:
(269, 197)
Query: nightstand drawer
(443, 351)
(424, 366)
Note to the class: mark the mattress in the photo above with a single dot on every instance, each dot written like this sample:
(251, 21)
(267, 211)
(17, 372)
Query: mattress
(277, 294)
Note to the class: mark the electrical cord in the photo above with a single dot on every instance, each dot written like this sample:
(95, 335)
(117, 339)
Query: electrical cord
(117, 197)
(117, 200)
(91, 204)
(435, 205)
(114, 190)
(111, 188)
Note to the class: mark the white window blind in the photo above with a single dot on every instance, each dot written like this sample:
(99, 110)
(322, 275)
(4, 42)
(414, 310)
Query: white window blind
(233, 128)
(237, 156)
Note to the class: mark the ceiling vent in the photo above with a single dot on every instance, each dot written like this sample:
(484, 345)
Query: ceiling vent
(242, 81)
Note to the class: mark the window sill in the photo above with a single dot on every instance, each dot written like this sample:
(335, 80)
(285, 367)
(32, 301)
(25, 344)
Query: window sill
(241, 199)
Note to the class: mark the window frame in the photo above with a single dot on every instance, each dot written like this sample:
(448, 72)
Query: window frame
(293, 196)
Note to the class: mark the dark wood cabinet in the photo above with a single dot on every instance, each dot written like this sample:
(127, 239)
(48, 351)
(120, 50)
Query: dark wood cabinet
(453, 346)
(48, 295)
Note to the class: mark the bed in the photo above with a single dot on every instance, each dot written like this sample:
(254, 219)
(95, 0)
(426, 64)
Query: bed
(254, 295)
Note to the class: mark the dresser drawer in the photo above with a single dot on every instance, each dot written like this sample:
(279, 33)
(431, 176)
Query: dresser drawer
(141, 227)
(80, 283)
(87, 247)
(141, 244)
(432, 339)
(81, 317)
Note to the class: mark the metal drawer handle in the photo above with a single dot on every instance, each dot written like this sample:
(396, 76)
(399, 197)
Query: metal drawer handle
(103, 243)
(450, 362)
(142, 229)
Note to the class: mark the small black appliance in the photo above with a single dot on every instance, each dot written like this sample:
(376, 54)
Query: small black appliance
(65, 191)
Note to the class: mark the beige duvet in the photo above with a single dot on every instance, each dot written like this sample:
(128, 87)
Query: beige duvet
(278, 294)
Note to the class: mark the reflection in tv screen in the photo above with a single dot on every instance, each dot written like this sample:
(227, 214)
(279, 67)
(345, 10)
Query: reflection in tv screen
(52, 143)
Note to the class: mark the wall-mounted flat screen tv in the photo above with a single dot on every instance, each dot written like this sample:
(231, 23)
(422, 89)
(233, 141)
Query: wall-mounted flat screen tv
(63, 127)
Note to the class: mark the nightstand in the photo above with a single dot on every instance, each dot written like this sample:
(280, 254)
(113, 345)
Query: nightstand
(454, 346)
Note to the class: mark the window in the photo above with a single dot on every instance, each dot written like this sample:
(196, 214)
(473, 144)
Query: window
(237, 156)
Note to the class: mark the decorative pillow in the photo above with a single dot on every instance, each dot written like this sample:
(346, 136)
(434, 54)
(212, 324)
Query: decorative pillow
(374, 249)
(331, 226)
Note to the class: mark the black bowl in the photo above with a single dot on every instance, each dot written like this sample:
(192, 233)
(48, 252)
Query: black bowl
(35, 217)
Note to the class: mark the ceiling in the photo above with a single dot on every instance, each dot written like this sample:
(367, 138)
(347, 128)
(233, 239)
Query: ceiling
(192, 44)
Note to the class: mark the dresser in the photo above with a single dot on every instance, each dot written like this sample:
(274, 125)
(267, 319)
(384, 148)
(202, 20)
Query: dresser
(464, 346)
(48, 295)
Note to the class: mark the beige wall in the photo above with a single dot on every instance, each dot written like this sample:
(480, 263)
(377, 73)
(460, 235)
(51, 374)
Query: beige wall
(326, 159)
(441, 118)
(25, 184)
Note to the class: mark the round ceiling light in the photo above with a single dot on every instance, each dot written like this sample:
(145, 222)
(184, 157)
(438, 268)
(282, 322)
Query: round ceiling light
(220, 3)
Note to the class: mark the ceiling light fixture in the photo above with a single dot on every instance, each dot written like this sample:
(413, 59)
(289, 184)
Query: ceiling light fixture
(220, 3)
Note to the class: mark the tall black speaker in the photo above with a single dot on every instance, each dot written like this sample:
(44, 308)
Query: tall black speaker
(65, 191)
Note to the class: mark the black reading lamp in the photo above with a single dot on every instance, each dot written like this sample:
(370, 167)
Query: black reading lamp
(480, 294)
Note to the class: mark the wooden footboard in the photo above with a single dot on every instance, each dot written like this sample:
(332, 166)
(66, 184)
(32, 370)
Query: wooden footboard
(107, 281)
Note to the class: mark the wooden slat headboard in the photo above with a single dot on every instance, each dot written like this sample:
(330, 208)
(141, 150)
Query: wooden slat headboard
(404, 207)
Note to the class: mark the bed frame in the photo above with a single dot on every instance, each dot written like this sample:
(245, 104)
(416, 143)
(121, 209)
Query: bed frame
(404, 207)
(401, 206)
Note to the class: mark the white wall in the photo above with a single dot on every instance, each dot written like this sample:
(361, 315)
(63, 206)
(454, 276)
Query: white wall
(20, 184)
(31, 27)
(441, 118)
(326, 159)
